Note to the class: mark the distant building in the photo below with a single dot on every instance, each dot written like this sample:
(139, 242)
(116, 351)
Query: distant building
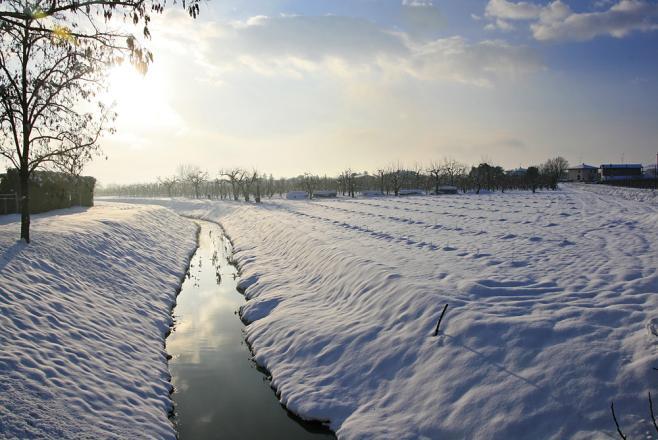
(371, 193)
(447, 189)
(296, 195)
(323, 194)
(582, 173)
(613, 171)
(411, 192)
(650, 171)
(517, 172)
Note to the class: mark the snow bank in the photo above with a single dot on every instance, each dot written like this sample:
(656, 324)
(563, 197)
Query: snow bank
(553, 308)
(640, 195)
(83, 314)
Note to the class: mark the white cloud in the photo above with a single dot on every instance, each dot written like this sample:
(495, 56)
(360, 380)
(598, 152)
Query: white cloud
(501, 25)
(345, 47)
(504, 9)
(557, 21)
(456, 60)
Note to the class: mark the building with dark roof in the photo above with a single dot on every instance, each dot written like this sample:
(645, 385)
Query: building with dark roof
(624, 171)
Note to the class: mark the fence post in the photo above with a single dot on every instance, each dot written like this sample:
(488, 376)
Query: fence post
(18, 209)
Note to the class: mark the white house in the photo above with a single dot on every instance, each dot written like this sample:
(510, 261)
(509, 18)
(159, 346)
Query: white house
(582, 173)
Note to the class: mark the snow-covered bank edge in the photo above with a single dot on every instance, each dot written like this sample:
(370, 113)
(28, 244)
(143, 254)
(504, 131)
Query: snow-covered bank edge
(84, 312)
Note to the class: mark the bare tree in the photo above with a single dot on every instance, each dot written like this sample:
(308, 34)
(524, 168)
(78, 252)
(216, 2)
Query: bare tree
(554, 170)
(235, 177)
(251, 184)
(169, 183)
(435, 170)
(417, 175)
(450, 169)
(396, 177)
(532, 177)
(270, 186)
(53, 59)
(348, 179)
(193, 175)
(381, 179)
(309, 183)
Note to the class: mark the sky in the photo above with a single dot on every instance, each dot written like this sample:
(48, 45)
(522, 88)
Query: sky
(294, 86)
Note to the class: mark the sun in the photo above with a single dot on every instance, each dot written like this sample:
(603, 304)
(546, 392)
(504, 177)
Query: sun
(142, 102)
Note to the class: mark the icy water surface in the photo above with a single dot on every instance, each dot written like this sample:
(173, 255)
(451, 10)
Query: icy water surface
(219, 393)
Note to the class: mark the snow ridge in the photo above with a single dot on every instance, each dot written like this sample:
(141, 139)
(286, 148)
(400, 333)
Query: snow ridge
(84, 310)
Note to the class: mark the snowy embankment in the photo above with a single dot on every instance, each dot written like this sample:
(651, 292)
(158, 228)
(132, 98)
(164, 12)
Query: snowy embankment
(641, 195)
(553, 311)
(84, 310)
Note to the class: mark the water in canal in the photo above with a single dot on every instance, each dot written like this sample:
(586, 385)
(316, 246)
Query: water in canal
(218, 392)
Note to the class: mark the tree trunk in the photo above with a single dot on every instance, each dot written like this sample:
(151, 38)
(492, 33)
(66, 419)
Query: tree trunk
(25, 205)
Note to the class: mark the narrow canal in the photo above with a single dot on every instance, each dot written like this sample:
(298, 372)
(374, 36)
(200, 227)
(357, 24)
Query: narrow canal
(218, 392)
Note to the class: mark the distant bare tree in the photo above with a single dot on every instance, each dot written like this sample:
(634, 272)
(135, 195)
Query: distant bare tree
(554, 170)
(348, 178)
(435, 170)
(381, 178)
(270, 187)
(193, 175)
(235, 177)
(309, 183)
(169, 183)
(450, 169)
(281, 186)
(532, 176)
(417, 176)
(480, 175)
(251, 183)
(396, 177)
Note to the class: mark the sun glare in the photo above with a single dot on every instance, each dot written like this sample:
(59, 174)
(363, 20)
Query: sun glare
(141, 101)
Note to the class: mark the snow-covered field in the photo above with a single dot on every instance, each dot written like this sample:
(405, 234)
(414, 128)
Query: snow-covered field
(83, 314)
(553, 310)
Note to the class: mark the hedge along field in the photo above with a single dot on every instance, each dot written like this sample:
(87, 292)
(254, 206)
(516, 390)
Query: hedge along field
(48, 190)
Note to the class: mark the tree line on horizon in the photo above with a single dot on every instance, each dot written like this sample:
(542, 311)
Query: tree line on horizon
(250, 184)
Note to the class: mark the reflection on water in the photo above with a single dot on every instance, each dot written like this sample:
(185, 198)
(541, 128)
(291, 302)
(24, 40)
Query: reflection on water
(219, 393)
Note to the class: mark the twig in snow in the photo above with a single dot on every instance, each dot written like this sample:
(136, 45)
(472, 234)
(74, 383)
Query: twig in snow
(438, 324)
(612, 408)
(653, 417)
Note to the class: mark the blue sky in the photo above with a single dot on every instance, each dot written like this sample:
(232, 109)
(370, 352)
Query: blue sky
(312, 85)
